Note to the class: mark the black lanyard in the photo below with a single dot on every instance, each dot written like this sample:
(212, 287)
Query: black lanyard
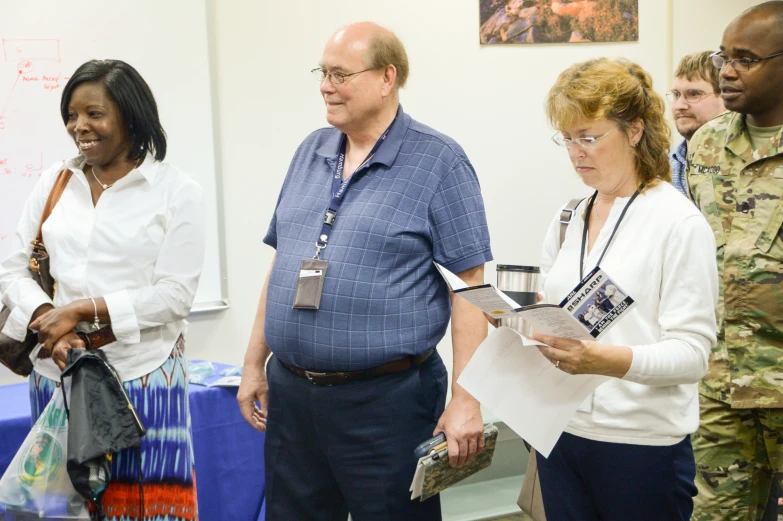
(339, 187)
(587, 224)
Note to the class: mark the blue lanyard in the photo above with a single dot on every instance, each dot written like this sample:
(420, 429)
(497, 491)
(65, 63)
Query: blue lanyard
(340, 187)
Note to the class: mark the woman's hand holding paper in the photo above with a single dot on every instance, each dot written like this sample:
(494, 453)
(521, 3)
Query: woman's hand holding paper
(585, 356)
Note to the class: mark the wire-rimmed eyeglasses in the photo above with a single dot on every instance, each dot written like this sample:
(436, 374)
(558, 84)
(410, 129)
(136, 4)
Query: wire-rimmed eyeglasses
(587, 143)
(739, 64)
(337, 78)
(690, 95)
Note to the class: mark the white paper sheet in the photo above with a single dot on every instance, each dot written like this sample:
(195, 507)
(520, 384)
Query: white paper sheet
(517, 383)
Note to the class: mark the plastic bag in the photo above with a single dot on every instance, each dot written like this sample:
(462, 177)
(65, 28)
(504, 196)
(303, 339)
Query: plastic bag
(198, 370)
(36, 484)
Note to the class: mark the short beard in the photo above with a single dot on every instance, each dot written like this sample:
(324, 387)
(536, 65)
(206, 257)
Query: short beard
(687, 135)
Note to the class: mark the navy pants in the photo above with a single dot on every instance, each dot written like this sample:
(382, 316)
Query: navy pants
(586, 480)
(349, 448)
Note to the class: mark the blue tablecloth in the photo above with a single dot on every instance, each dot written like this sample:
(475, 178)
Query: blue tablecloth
(229, 453)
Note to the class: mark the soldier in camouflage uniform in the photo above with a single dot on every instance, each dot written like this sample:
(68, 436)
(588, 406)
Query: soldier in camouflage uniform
(735, 174)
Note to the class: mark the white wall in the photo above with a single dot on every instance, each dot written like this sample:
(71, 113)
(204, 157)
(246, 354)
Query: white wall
(697, 25)
(490, 99)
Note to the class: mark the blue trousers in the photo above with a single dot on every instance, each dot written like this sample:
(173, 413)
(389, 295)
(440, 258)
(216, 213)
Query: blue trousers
(349, 448)
(586, 480)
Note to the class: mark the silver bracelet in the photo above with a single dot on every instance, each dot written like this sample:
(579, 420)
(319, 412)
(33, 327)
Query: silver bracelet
(96, 323)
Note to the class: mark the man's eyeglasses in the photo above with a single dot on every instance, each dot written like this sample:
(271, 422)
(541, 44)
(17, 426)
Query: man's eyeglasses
(337, 78)
(739, 64)
(691, 96)
(587, 143)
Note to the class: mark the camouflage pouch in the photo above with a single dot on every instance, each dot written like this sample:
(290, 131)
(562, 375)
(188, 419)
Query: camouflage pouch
(438, 475)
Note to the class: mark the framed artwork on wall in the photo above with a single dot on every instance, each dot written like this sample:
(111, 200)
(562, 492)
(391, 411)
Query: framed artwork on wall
(558, 21)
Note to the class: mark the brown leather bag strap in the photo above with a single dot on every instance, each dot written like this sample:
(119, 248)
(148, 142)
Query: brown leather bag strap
(54, 196)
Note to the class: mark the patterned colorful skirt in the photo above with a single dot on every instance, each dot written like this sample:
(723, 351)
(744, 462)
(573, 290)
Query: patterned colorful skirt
(169, 479)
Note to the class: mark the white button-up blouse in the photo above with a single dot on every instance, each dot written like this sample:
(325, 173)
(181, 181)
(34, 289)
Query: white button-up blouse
(141, 248)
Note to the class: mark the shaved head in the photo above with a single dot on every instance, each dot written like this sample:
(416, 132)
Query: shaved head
(768, 14)
(773, 9)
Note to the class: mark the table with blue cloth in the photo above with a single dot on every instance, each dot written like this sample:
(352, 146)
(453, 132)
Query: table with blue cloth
(229, 453)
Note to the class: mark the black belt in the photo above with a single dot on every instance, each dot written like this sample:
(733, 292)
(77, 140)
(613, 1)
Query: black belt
(341, 377)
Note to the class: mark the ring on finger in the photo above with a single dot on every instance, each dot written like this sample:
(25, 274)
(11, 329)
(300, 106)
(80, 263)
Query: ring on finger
(557, 364)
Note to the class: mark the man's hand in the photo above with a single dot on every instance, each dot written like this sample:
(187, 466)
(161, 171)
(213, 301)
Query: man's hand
(464, 428)
(63, 345)
(254, 388)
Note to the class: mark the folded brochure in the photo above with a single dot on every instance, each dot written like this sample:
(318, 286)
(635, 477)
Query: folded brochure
(591, 308)
(434, 473)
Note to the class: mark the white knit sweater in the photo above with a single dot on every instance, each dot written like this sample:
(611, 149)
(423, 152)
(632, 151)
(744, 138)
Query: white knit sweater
(663, 256)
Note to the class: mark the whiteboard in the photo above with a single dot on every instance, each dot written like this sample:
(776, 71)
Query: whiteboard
(43, 42)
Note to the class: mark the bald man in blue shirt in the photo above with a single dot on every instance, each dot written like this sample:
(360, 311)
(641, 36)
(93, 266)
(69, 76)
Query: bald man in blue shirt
(355, 383)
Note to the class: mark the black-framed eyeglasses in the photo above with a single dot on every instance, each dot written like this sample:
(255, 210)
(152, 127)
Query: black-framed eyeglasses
(690, 95)
(337, 78)
(739, 64)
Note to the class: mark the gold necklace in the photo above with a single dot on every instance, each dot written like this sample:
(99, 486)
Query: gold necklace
(105, 186)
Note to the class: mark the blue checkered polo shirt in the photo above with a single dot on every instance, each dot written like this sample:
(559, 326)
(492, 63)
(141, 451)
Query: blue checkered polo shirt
(418, 200)
(678, 162)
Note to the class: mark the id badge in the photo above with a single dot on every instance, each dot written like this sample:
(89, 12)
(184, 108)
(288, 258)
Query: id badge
(310, 284)
(596, 304)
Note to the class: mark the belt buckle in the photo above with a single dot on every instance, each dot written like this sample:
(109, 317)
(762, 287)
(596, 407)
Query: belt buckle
(312, 375)
(325, 379)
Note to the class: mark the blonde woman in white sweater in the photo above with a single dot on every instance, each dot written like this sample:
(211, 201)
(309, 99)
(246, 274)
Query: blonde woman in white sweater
(626, 453)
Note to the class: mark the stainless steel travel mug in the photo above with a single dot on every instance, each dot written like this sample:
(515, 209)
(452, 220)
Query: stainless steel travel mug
(521, 284)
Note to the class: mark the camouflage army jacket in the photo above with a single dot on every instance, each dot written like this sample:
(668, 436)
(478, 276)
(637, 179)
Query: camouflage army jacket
(739, 192)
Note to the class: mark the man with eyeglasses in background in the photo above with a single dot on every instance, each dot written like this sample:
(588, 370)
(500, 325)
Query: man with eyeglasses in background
(695, 99)
(355, 383)
(735, 175)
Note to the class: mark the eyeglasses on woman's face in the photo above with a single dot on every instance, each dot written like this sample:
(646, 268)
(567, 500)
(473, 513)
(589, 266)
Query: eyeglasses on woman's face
(586, 143)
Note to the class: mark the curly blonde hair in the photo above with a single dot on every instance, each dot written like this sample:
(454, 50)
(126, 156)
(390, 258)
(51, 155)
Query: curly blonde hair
(620, 91)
